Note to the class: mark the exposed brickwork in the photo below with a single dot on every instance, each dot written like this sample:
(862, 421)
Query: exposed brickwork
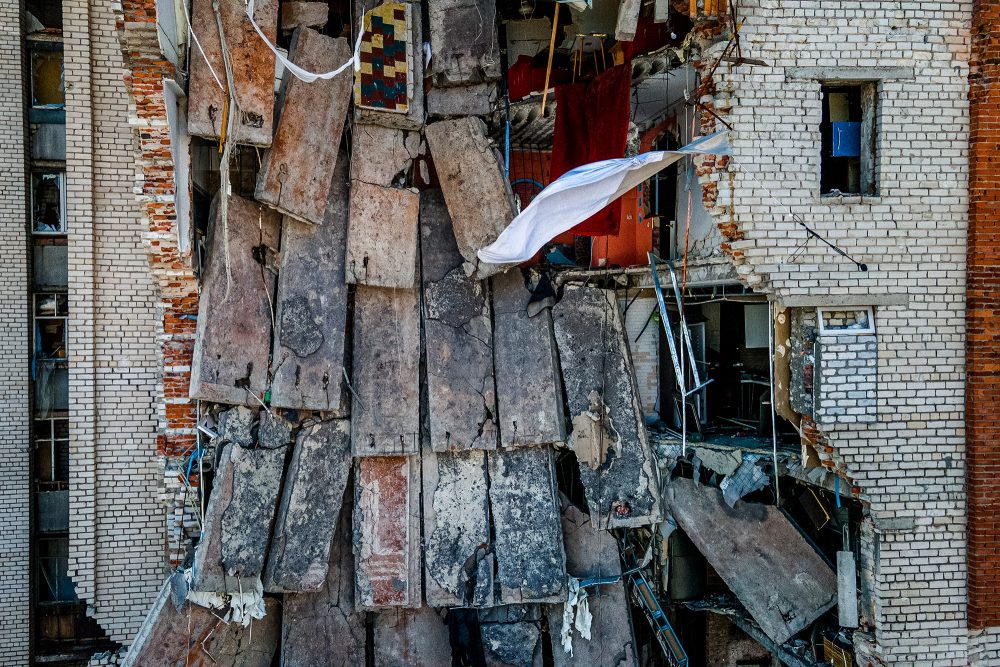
(14, 347)
(983, 319)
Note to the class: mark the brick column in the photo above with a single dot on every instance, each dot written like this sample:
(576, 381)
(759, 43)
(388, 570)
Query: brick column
(983, 319)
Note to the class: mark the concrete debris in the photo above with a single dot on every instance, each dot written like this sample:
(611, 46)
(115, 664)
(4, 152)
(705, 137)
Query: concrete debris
(177, 633)
(381, 254)
(594, 438)
(593, 553)
(396, 150)
(531, 562)
(463, 46)
(309, 338)
(847, 590)
(747, 478)
(242, 606)
(593, 351)
(233, 340)
(237, 526)
(510, 636)
(387, 532)
(310, 507)
(386, 373)
(378, 110)
(724, 462)
(252, 70)
(324, 629)
(411, 638)
(761, 556)
(628, 20)
(297, 172)
(472, 178)
(477, 100)
(458, 338)
(303, 15)
(529, 387)
(458, 562)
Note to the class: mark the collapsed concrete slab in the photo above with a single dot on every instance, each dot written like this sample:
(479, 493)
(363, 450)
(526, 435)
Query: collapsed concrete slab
(472, 178)
(529, 388)
(396, 150)
(296, 173)
(510, 636)
(382, 236)
(252, 69)
(616, 466)
(457, 561)
(531, 562)
(475, 100)
(233, 339)
(387, 532)
(386, 375)
(389, 89)
(411, 638)
(761, 556)
(325, 629)
(237, 526)
(310, 507)
(309, 338)
(458, 338)
(304, 15)
(177, 633)
(464, 49)
(593, 553)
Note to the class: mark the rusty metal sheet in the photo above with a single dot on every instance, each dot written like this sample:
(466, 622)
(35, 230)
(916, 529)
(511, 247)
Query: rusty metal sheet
(252, 66)
(761, 556)
(296, 173)
(233, 338)
(382, 236)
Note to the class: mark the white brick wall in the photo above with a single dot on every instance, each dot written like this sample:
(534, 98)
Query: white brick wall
(847, 378)
(14, 482)
(910, 462)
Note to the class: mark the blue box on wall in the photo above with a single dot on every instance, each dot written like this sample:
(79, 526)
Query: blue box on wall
(846, 139)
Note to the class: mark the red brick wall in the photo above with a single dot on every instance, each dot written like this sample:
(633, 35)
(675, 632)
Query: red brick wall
(983, 319)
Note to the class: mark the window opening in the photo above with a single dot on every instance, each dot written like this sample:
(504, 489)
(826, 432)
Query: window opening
(848, 142)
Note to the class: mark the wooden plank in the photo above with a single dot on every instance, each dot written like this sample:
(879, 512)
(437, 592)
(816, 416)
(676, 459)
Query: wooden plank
(310, 508)
(382, 237)
(529, 388)
(296, 173)
(531, 562)
(616, 465)
(233, 339)
(458, 337)
(475, 187)
(252, 68)
(458, 565)
(387, 532)
(308, 359)
(386, 374)
(760, 555)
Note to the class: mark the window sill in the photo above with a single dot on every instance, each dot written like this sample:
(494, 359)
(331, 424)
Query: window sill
(839, 199)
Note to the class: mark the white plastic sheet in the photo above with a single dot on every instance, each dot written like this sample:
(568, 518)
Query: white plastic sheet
(582, 192)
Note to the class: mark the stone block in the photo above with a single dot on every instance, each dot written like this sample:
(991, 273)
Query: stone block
(233, 340)
(376, 109)
(529, 387)
(324, 628)
(252, 68)
(457, 561)
(387, 532)
(296, 174)
(396, 150)
(312, 303)
(463, 44)
(304, 15)
(382, 237)
(411, 638)
(310, 507)
(475, 187)
(458, 336)
(386, 374)
(531, 562)
(610, 440)
(177, 633)
(477, 100)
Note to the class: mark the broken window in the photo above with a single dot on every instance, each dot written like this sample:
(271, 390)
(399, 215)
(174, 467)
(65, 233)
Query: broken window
(55, 584)
(847, 133)
(48, 202)
(52, 453)
(47, 86)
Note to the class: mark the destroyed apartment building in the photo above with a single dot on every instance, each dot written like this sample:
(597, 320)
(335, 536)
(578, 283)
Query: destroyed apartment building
(500, 333)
